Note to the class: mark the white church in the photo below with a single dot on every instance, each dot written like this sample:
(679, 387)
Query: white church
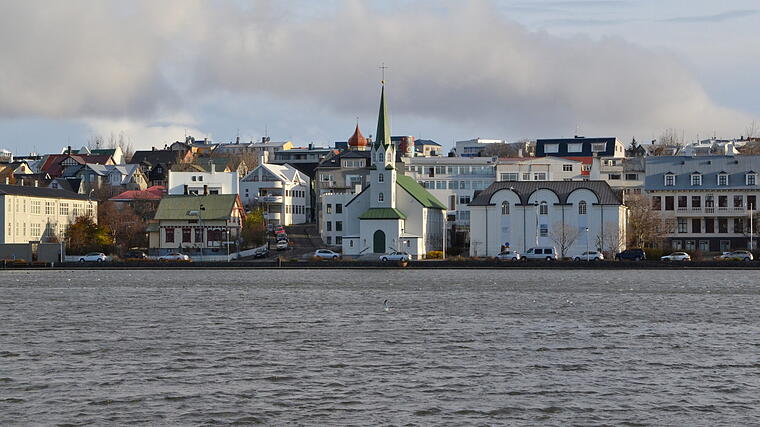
(393, 212)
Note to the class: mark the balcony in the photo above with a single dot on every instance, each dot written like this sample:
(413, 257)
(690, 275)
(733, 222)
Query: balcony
(270, 198)
(719, 211)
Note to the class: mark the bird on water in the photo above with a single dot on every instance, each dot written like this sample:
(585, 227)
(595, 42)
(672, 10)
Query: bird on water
(386, 307)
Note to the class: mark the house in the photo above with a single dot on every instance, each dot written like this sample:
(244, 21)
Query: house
(157, 163)
(116, 153)
(282, 190)
(55, 164)
(143, 202)
(474, 147)
(427, 148)
(393, 212)
(524, 214)
(196, 225)
(621, 173)
(114, 177)
(342, 173)
(37, 214)
(202, 182)
(708, 199)
(263, 150)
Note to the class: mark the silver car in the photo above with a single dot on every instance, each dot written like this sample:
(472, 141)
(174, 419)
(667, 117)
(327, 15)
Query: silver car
(326, 254)
(508, 255)
(94, 257)
(395, 256)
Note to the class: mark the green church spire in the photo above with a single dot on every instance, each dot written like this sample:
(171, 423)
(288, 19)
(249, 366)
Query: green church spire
(383, 135)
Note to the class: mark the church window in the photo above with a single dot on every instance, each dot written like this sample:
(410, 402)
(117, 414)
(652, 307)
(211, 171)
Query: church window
(582, 209)
(543, 209)
(380, 197)
(380, 178)
(505, 208)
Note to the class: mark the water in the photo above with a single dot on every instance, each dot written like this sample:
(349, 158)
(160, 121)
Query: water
(317, 347)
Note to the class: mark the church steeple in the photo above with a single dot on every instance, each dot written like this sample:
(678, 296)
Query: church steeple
(383, 135)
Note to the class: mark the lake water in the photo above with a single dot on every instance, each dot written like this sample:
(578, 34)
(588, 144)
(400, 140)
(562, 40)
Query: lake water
(316, 347)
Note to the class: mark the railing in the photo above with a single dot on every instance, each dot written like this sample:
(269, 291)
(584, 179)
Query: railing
(712, 210)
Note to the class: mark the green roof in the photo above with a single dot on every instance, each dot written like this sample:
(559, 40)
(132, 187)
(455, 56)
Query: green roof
(382, 213)
(419, 192)
(383, 134)
(211, 207)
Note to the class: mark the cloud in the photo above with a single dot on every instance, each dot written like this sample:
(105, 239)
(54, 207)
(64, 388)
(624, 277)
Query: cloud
(143, 135)
(718, 17)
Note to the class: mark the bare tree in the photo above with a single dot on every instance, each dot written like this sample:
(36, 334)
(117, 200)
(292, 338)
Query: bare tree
(646, 227)
(752, 130)
(670, 137)
(611, 242)
(120, 140)
(563, 235)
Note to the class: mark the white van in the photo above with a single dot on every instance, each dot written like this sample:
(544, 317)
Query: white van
(546, 253)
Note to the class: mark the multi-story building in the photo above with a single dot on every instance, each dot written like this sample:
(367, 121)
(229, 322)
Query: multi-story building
(342, 173)
(708, 199)
(622, 173)
(539, 169)
(201, 182)
(282, 190)
(581, 215)
(34, 214)
(474, 147)
(263, 150)
(427, 148)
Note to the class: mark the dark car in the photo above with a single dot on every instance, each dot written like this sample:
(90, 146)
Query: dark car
(135, 255)
(263, 253)
(631, 255)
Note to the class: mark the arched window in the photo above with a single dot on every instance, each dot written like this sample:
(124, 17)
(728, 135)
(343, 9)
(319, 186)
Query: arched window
(505, 208)
(582, 208)
(380, 197)
(543, 209)
(380, 178)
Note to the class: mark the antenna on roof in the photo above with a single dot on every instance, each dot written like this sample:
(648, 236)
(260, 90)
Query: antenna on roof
(266, 130)
(382, 71)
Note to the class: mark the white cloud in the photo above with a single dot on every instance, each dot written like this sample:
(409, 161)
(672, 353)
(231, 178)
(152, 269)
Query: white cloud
(142, 135)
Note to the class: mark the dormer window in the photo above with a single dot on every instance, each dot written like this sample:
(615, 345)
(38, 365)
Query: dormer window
(722, 179)
(599, 147)
(670, 180)
(751, 178)
(696, 179)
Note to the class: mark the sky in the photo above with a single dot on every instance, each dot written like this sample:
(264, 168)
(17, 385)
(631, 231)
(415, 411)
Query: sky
(306, 71)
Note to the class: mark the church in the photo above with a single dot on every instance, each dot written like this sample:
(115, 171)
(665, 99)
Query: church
(392, 212)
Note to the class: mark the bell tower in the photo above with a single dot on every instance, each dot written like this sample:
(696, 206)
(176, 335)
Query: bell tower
(382, 170)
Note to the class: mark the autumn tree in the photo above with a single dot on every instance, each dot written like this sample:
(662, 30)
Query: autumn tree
(646, 227)
(564, 236)
(83, 236)
(126, 227)
(254, 231)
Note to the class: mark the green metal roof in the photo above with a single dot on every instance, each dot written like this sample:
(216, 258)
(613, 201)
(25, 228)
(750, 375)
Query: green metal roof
(383, 134)
(419, 192)
(382, 213)
(211, 207)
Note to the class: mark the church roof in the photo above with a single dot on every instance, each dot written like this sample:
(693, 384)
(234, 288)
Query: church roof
(357, 139)
(383, 135)
(382, 213)
(419, 192)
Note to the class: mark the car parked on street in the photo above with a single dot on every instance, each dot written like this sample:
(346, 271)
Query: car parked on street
(740, 255)
(326, 254)
(395, 256)
(261, 253)
(133, 254)
(589, 256)
(508, 255)
(676, 256)
(282, 245)
(174, 256)
(634, 254)
(93, 257)
(546, 253)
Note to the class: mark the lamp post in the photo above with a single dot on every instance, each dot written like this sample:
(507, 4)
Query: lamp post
(197, 213)
(587, 244)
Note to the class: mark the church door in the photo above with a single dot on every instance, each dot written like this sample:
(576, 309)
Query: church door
(378, 242)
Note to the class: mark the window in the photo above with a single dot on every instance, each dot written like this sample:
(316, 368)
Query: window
(704, 245)
(709, 201)
(696, 179)
(722, 201)
(380, 178)
(186, 234)
(36, 207)
(677, 244)
(599, 147)
(613, 176)
(725, 245)
(722, 225)
(453, 185)
(696, 225)
(505, 208)
(325, 177)
(722, 179)
(64, 209)
(585, 168)
(656, 203)
(682, 227)
(329, 225)
(670, 180)
(582, 209)
(198, 234)
(338, 208)
(526, 177)
(169, 234)
(510, 176)
(543, 209)
(338, 225)
(329, 240)
(751, 179)
(463, 200)
(380, 197)
(544, 230)
(682, 202)
(738, 225)
(709, 225)
(338, 240)
(575, 148)
(631, 176)
(738, 201)
(751, 202)
(668, 203)
(567, 168)
(192, 178)
(690, 245)
(34, 229)
(696, 202)
(452, 202)
(328, 208)
(539, 176)
(551, 148)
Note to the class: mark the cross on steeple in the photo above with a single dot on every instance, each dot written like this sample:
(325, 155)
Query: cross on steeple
(382, 71)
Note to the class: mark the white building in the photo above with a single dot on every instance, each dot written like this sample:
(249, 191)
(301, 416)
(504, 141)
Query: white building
(31, 214)
(393, 212)
(539, 169)
(333, 218)
(474, 147)
(282, 190)
(522, 215)
(202, 183)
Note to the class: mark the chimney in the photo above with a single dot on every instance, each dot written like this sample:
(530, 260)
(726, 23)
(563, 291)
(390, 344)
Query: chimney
(68, 150)
(205, 189)
(152, 148)
(237, 140)
(36, 183)
(519, 152)
(185, 190)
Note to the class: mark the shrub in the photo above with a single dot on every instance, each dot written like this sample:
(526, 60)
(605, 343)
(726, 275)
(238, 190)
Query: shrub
(434, 255)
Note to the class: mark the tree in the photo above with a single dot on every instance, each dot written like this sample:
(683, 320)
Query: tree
(126, 227)
(646, 227)
(254, 229)
(112, 141)
(610, 243)
(563, 235)
(83, 236)
(517, 149)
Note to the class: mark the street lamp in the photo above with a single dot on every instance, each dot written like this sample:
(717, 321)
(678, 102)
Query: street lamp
(197, 213)
(587, 254)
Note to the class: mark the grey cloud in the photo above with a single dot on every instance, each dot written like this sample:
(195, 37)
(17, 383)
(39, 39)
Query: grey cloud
(718, 17)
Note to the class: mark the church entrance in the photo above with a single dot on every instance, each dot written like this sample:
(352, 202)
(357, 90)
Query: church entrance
(378, 242)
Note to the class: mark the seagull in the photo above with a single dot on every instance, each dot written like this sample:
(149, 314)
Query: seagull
(386, 307)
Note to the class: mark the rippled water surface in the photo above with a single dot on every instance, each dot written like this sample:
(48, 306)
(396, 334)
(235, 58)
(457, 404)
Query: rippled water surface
(317, 348)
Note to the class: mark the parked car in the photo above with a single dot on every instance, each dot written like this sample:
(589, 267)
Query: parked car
(174, 256)
(326, 254)
(93, 257)
(546, 253)
(261, 253)
(395, 256)
(281, 237)
(282, 245)
(741, 255)
(676, 256)
(135, 255)
(508, 255)
(635, 254)
(589, 256)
